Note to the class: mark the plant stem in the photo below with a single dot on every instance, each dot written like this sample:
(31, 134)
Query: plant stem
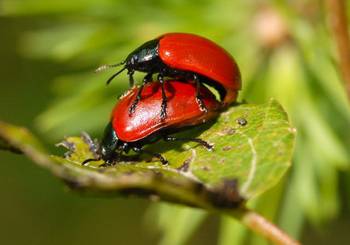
(338, 25)
(265, 228)
(9, 148)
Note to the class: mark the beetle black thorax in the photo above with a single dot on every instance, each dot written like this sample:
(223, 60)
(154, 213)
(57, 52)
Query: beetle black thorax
(145, 58)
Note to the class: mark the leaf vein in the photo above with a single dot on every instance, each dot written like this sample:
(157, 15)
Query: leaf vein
(252, 170)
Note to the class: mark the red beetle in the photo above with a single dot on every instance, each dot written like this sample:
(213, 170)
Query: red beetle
(186, 56)
(125, 131)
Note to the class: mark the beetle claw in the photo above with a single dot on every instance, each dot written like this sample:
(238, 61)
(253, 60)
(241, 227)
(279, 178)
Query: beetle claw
(164, 161)
(209, 147)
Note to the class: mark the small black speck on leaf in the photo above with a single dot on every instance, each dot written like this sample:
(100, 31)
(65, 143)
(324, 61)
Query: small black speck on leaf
(242, 121)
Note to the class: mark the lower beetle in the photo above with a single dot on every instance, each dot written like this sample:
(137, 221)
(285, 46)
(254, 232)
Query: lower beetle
(126, 132)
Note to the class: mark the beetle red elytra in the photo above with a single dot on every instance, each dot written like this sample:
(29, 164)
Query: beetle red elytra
(127, 132)
(183, 56)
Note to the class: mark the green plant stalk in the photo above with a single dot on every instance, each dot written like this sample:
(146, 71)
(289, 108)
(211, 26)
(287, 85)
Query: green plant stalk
(338, 25)
(263, 227)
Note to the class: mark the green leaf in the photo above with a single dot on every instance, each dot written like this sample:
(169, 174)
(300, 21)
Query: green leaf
(252, 147)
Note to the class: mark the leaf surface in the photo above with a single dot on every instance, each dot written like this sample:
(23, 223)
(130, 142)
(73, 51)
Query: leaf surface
(253, 146)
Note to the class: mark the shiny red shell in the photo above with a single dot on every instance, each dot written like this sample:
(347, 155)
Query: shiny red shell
(197, 54)
(182, 110)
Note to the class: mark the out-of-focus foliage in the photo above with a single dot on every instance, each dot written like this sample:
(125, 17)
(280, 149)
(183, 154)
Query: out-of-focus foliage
(284, 51)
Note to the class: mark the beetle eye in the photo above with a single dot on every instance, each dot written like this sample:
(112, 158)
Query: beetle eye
(134, 59)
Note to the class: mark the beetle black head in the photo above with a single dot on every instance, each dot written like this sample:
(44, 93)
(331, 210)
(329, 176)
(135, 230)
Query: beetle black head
(145, 58)
(110, 147)
(109, 144)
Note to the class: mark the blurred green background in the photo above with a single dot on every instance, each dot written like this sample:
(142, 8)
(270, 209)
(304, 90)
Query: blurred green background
(285, 50)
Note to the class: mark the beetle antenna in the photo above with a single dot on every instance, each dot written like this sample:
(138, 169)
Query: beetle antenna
(114, 75)
(105, 67)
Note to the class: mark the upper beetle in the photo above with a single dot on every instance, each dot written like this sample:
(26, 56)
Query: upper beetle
(125, 131)
(186, 56)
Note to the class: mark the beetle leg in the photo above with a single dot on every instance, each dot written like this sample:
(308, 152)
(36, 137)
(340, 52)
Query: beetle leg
(164, 98)
(133, 106)
(131, 84)
(91, 160)
(136, 101)
(131, 78)
(197, 140)
(157, 155)
(148, 78)
(199, 100)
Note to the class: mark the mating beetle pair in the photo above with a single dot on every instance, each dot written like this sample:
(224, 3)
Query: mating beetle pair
(186, 56)
(125, 132)
(190, 61)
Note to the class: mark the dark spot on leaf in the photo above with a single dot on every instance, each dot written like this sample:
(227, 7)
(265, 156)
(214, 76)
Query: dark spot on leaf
(186, 164)
(205, 168)
(227, 148)
(184, 167)
(242, 121)
(227, 195)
